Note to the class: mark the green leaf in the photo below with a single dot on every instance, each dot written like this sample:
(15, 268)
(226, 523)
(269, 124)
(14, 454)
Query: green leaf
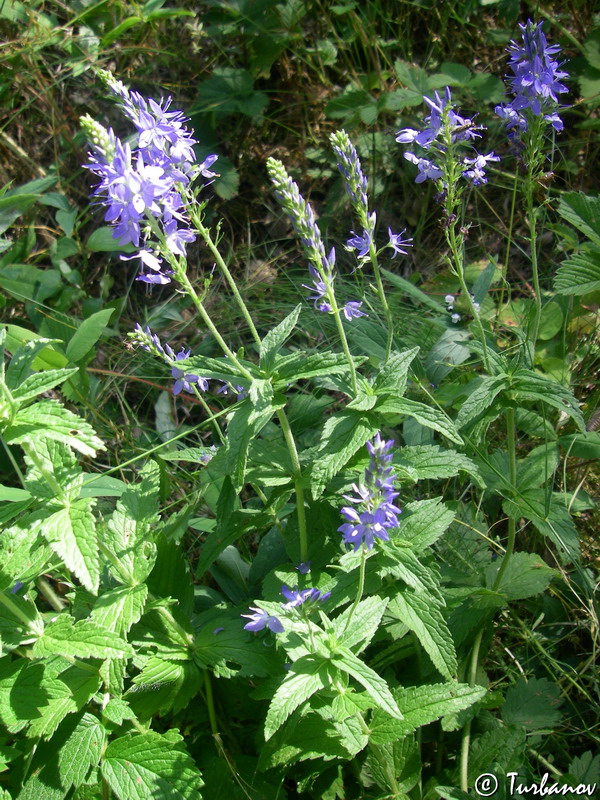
(532, 704)
(343, 434)
(81, 751)
(129, 530)
(87, 334)
(163, 686)
(276, 338)
(300, 365)
(377, 688)
(69, 692)
(117, 610)
(538, 466)
(18, 341)
(22, 692)
(526, 575)
(423, 522)
(583, 212)
(413, 291)
(421, 705)
(364, 621)
(448, 352)
(83, 639)
(71, 533)
(41, 382)
(220, 368)
(50, 420)
(579, 274)
(581, 445)
(306, 676)
(150, 765)
(11, 208)
(550, 518)
(430, 462)
(392, 375)
(425, 415)
(480, 399)
(52, 459)
(102, 241)
(421, 613)
(395, 767)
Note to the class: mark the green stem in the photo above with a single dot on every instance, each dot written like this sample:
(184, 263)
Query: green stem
(383, 300)
(298, 487)
(361, 586)
(210, 703)
(211, 416)
(205, 233)
(512, 477)
(529, 185)
(466, 735)
(183, 279)
(55, 601)
(8, 602)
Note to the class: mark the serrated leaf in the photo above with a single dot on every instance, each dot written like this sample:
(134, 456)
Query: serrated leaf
(83, 639)
(425, 415)
(276, 338)
(583, 212)
(579, 274)
(364, 621)
(71, 533)
(300, 365)
(395, 767)
(423, 522)
(480, 399)
(551, 519)
(140, 766)
(448, 352)
(41, 382)
(529, 385)
(50, 420)
(81, 751)
(421, 705)
(69, 692)
(532, 704)
(55, 459)
(303, 738)
(392, 375)
(343, 434)
(421, 613)
(526, 575)
(430, 462)
(118, 609)
(22, 692)
(374, 684)
(222, 369)
(538, 466)
(87, 334)
(163, 686)
(306, 676)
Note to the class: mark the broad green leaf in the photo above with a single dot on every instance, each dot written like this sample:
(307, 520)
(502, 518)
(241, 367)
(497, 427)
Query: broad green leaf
(71, 533)
(102, 241)
(41, 382)
(276, 338)
(526, 575)
(395, 767)
(480, 399)
(377, 688)
(430, 462)
(81, 751)
(343, 434)
(118, 609)
(550, 518)
(50, 420)
(448, 352)
(306, 676)
(533, 704)
(579, 274)
(140, 766)
(163, 686)
(413, 291)
(421, 705)
(529, 385)
(301, 365)
(11, 208)
(581, 445)
(50, 458)
(583, 212)
(83, 639)
(392, 375)
(23, 555)
(423, 522)
(421, 613)
(87, 334)
(364, 621)
(538, 466)
(20, 621)
(224, 647)
(402, 563)
(129, 530)
(46, 357)
(425, 415)
(22, 692)
(501, 749)
(303, 738)
(68, 692)
(198, 455)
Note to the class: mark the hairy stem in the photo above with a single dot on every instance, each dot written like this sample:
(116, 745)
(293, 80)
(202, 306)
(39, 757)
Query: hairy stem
(298, 487)
(361, 586)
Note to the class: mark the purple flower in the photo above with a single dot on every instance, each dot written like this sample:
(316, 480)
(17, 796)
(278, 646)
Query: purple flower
(536, 80)
(397, 243)
(362, 243)
(228, 388)
(354, 178)
(183, 380)
(303, 567)
(352, 310)
(260, 620)
(475, 168)
(462, 128)
(376, 512)
(296, 597)
(427, 169)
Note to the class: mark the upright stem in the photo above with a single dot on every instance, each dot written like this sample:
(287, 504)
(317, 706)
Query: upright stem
(466, 735)
(205, 233)
(512, 476)
(383, 299)
(298, 487)
(210, 703)
(361, 586)
(534, 258)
